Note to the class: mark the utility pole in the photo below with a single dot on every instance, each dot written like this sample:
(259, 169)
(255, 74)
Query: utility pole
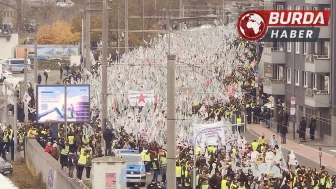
(171, 133)
(35, 60)
(25, 104)
(6, 106)
(15, 126)
(66, 110)
(126, 26)
(118, 32)
(87, 61)
(104, 65)
(181, 13)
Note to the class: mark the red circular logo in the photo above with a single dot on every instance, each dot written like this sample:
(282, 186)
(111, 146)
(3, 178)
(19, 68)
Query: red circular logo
(251, 26)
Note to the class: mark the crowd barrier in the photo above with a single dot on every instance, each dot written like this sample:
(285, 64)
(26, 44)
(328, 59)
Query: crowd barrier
(40, 162)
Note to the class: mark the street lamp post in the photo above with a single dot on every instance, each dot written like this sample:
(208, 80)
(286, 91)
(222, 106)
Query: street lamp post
(194, 141)
(320, 156)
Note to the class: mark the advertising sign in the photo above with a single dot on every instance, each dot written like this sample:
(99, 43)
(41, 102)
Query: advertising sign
(110, 181)
(51, 103)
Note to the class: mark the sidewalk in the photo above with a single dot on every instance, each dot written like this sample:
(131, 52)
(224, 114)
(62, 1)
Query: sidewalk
(300, 149)
(315, 144)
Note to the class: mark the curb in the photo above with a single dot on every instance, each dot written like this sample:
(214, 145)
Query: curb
(258, 135)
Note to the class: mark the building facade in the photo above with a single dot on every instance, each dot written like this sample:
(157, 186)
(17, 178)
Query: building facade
(304, 70)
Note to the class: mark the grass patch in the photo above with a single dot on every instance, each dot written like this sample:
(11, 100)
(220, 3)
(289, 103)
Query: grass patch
(22, 177)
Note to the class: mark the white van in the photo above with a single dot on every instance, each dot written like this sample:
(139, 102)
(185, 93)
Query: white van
(15, 65)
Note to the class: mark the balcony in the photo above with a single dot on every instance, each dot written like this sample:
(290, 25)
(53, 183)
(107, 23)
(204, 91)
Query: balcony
(317, 98)
(274, 55)
(324, 32)
(274, 87)
(318, 2)
(317, 63)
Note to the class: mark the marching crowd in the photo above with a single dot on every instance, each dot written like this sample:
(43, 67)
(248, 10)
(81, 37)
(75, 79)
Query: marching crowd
(235, 164)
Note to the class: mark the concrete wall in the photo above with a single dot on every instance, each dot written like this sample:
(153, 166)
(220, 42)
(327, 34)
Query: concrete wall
(39, 161)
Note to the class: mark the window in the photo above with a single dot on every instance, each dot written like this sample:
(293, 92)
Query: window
(315, 8)
(279, 7)
(297, 44)
(289, 44)
(326, 84)
(297, 77)
(314, 80)
(305, 79)
(305, 47)
(326, 49)
(315, 47)
(279, 73)
(289, 78)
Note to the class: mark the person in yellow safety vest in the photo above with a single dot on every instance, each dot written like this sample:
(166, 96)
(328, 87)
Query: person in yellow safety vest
(83, 148)
(82, 160)
(85, 139)
(30, 132)
(6, 140)
(262, 140)
(163, 167)
(254, 145)
(64, 153)
(329, 182)
(323, 181)
(156, 168)
(225, 183)
(315, 183)
(233, 151)
(21, 140)
(147, 162)
(71, 139)
(178, 170)
(234, 184)
(143, 154)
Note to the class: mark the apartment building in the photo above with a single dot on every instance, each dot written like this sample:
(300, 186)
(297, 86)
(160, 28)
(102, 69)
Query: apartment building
(304, 70)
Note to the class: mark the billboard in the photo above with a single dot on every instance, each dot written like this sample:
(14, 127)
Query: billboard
(50, 106)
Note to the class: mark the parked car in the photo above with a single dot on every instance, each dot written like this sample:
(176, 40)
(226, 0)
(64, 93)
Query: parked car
(15, 65)
(5, 167)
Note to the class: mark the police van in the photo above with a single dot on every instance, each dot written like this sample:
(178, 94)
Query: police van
(15, 65)
(135, 167)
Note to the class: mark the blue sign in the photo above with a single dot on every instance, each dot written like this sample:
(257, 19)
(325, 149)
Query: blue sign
(256, 70)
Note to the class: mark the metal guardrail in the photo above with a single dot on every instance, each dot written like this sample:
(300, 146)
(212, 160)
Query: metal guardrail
(311, 92)
(269, 50)
(269, 82)
(311, 57)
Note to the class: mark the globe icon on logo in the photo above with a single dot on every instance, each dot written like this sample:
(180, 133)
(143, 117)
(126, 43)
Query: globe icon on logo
(251, 26)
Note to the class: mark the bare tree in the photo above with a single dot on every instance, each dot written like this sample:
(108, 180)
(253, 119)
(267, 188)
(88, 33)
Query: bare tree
(16, 5)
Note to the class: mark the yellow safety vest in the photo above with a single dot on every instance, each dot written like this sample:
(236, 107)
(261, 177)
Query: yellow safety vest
(82, 160)
(20, 138)
(154, 165)
(233, 186)
(205, 186)
(322, 180)
(238, 120)
(197, 178)
(224, 184)
(254, 146)
(10, 137)
(71, 139)
(143, 155)
(185, 173)
(86, 139)
(44, 132)
(178, 171)
(6, 138)
(147, 157)
(65, 150)
(163, 162)
(317, 185)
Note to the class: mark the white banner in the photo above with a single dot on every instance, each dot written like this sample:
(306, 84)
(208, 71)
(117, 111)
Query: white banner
(210, 134)
(140, 98)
